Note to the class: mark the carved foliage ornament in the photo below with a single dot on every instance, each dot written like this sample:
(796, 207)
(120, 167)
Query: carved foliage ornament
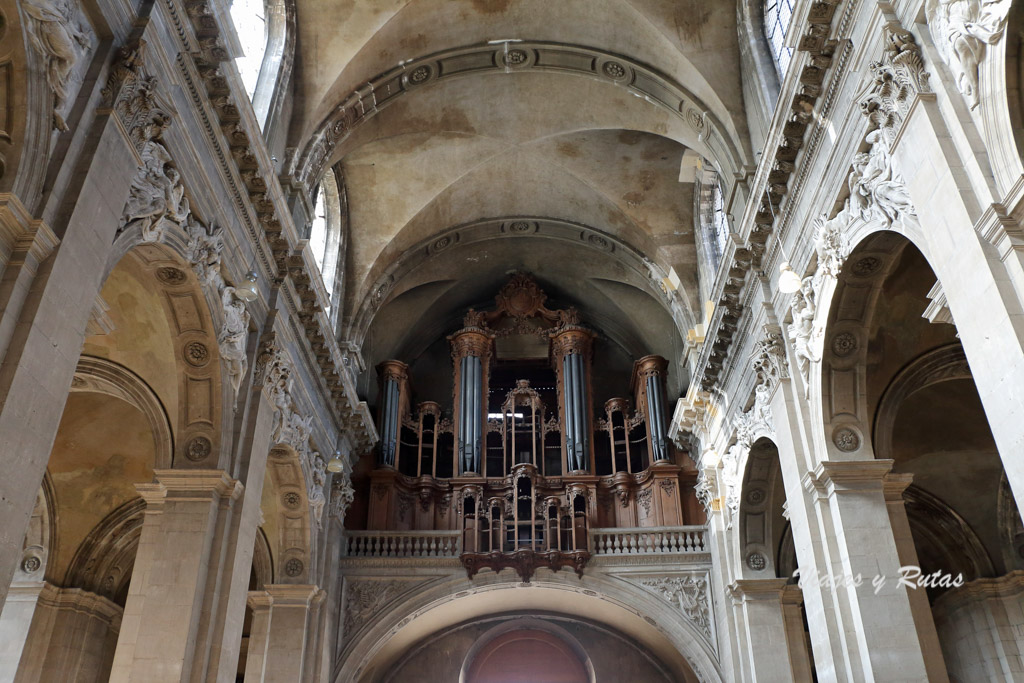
(689, 594)
(131, 93)
(897, 79)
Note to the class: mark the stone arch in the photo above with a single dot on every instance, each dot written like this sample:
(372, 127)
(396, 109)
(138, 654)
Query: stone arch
(107, 377)
(709, 136)
(385, 286)
(104, 561)
(938, 526)
(760, 529)
(399, 609)
(288, 527)
(41, 538)
(846, 307)
(199, 413)
(521, 624)
(939, 365)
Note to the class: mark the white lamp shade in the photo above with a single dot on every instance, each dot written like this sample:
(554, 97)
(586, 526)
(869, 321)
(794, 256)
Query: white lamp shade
(789, 281)
(336, 464)
(246, 290)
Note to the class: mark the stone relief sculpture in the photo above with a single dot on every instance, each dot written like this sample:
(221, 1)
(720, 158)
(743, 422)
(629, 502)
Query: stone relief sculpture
(878, 191)
(962, 29)
(157, 195)
(689, 593)
(831, 244)
(233, 338)
(55, 34)
(342, 495)
(204, 251)
(802, 329)
(317, 500)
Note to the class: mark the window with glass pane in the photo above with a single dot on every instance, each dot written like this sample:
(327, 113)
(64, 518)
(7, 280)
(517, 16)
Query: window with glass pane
(777, 14)
(249, 18)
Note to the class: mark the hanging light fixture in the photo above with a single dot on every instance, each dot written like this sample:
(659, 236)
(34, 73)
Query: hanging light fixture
(336, 464)
(246, 290)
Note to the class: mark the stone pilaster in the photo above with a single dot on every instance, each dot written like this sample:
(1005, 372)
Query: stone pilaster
(772, 652)
(882, 632)
(182, 535)
(281, 626)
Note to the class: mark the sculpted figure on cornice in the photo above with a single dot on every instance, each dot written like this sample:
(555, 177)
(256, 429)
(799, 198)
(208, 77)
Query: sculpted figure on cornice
(802, 330)
(205, 251)
(56, 34)
(878, 191)
(317, 500)
(342, 495)
(962, 29)
(157, 195)
(706, 489)
(897, 79)
(233, 338)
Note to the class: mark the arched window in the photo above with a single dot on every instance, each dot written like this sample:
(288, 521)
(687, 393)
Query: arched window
(325, 232)
(777, 14)
(714, 222)
(250, 19)
(261, 28)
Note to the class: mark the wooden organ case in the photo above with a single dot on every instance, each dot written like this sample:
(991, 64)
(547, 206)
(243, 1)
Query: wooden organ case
(523, 468)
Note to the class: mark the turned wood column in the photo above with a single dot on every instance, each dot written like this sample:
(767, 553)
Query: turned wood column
(471, 354)
(394, 406)
(571, 349)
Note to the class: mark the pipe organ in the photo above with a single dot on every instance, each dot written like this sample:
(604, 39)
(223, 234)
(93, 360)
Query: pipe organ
(523, 467)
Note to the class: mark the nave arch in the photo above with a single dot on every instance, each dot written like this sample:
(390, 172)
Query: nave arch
(418, 607)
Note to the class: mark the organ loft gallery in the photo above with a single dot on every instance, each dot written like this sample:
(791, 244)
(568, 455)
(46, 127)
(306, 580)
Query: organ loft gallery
(511, 341)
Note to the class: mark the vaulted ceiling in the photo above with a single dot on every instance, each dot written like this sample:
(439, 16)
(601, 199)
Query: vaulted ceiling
(477, 137)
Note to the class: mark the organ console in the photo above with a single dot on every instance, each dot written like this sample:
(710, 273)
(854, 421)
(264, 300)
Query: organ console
(523, 467)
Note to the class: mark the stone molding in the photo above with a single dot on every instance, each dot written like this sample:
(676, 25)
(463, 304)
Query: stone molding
(201, 486)
(758, 590)
(775, 174)
(79, 600)
(23, 239)
(290, 595)
(361, 105)
(1009, 585)
(838, 476)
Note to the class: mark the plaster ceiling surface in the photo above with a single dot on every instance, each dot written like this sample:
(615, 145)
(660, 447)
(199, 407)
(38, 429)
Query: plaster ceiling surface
(546, 144)
(343, 44)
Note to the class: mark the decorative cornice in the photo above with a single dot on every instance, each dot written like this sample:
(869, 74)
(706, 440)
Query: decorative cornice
(260, 195)
(776, 170)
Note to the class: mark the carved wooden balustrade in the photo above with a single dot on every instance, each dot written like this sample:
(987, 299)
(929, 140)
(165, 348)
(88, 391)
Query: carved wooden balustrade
(403, 544)
(682, 540)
